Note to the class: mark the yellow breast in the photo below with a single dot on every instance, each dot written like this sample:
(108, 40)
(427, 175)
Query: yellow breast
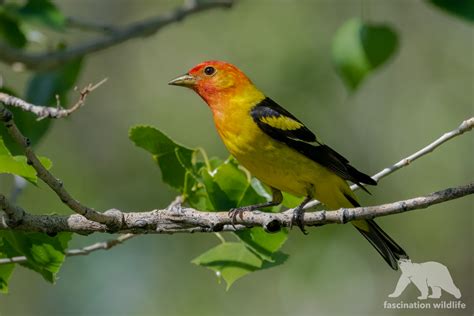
(271, 161)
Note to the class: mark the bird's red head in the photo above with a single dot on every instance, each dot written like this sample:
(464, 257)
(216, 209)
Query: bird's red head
(214, 81)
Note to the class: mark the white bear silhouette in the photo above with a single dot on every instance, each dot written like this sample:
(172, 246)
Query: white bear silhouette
(423, 275)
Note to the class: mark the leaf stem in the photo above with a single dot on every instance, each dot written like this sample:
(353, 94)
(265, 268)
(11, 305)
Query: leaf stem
(220, 237)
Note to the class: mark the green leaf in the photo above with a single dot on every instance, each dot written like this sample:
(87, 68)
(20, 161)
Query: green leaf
(198, 198)
(255, 193)
(230, 260)
(195, 192)
(173, 159)
(461, 8)
(6, 270)
(232, 181)
(45, 254)
(278, 258)
(216, 185)
(263, 243)
(42, 90)
(228, 186)
(43, 12)
(359, 48)
(10, 30)
(216, 196)
(17, 164)
(291, 201)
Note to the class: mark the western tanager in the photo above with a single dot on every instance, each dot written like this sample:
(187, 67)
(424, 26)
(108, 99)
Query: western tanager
(280, 150)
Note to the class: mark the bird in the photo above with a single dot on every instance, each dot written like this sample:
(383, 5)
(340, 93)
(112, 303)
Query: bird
(280, 151)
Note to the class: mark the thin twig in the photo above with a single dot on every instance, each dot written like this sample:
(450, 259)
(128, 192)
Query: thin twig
(466, 126)
(103, 245)
(188, 220)
(52, 112)
(48, 60)
(94, 26)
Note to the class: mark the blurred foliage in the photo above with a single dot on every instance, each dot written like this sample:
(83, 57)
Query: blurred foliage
(6, 270)
(45, 88)
(359, 48)
(45, 254)
(16, 165)
(43, 12)
(16, 19)
(10, 30)
(461, 8)
(291, 59)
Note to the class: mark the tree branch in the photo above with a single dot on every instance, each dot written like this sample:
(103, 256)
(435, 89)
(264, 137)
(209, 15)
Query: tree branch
(116, 220)
(103, 245)
(187, 220)
(94, 26)
(176, 219)
(52, 112)
(15, 213)
(110, 219)
(466, 126)
(115, 36)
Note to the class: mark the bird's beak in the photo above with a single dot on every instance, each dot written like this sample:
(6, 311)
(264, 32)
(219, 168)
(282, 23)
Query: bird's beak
(184, 81)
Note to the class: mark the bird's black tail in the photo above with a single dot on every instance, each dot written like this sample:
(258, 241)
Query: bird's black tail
(382, 242)
(386, 246)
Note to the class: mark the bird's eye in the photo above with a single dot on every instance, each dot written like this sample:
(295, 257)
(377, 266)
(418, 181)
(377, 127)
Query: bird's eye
(209, 70)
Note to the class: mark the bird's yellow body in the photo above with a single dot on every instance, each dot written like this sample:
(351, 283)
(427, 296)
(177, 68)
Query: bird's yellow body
(279, 150)
(278, 165)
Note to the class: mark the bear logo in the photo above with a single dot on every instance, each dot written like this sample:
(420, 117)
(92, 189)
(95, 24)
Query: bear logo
(423, 275)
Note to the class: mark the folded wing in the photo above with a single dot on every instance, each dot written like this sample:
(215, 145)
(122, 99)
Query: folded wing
(282, 126)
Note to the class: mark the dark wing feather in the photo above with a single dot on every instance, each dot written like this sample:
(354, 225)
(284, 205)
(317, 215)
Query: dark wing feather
(267, 108)
(281, 125)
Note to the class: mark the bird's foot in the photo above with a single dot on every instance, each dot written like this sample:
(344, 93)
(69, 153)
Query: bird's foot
(239, 211)
(298, 219)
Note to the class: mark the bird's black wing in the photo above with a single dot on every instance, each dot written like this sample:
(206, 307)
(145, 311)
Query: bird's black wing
(279, 123)
(282, 126)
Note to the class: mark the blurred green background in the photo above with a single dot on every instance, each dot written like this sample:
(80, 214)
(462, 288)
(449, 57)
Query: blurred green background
(285, 47)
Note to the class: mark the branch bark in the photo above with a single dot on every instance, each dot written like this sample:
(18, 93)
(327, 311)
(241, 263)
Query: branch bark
(46, 111)
(466, 126)
(111, 219)
(187, 220)
(114, 36)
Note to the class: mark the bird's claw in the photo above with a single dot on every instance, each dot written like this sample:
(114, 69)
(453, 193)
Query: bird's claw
(238, 211)
(298, 219)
